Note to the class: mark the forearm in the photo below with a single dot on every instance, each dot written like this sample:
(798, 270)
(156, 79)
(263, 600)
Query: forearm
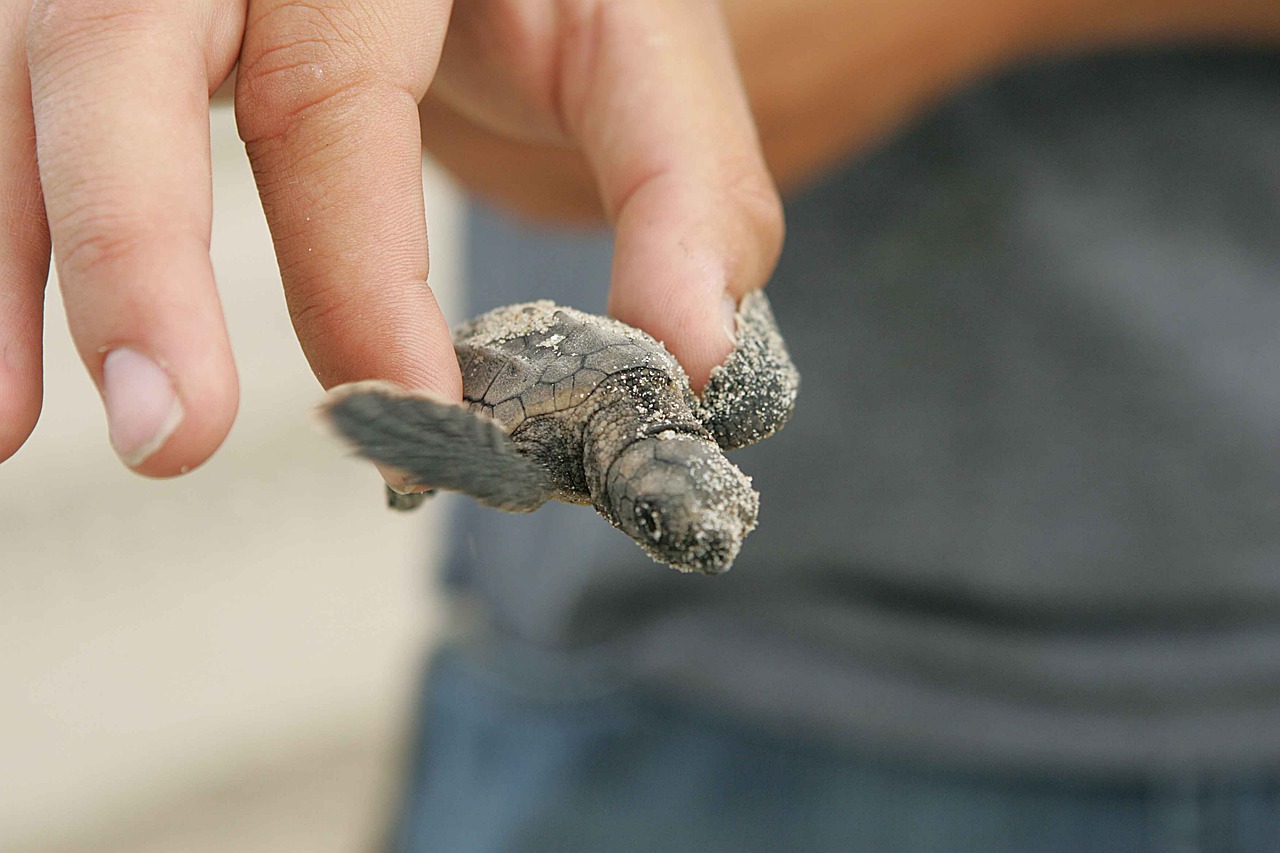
(827, 77)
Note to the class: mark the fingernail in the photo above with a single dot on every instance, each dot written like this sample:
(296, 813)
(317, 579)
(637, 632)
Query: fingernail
(143, 408)
(729, 316)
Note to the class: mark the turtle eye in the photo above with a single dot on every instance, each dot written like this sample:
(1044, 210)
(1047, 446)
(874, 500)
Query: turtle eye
(649, 519)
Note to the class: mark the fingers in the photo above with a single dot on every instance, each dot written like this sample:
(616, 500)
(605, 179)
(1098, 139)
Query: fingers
(120, 98)
(327, 105)
(651, 91)
(24, 241)
(536, 180)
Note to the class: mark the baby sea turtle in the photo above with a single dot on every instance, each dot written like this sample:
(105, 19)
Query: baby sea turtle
(562, 405)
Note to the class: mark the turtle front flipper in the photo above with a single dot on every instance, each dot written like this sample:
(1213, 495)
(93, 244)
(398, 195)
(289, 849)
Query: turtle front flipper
(436, 443)
(752, 394)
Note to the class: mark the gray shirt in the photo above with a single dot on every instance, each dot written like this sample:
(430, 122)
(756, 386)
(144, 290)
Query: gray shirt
(1028, 510)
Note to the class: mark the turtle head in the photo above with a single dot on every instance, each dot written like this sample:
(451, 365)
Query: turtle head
(682, 501)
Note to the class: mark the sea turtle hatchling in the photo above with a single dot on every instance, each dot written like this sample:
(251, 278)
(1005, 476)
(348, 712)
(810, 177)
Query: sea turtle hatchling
(562, 405)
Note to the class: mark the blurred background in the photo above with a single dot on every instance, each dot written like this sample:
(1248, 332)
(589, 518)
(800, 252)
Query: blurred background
(225, 661)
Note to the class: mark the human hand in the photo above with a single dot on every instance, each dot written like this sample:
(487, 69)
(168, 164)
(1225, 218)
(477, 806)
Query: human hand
(115, 107)
(825, 79)
(632, 109)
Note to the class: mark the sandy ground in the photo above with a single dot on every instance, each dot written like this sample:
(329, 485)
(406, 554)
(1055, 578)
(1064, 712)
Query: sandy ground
(221, 662)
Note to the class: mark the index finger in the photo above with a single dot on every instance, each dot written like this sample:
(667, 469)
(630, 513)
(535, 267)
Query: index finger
(652, 92)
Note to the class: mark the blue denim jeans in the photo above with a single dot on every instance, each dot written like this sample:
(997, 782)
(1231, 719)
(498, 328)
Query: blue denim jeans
(615, 769)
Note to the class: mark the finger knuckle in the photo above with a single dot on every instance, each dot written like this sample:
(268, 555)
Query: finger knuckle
(314, 311)
(502, 28)
(515, 37)
(57, 28)
(91, 252)
(99, 235)
(307, 54)
(756, 200)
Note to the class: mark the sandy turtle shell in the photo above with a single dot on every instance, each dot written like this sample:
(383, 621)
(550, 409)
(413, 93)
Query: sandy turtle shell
(563, 405)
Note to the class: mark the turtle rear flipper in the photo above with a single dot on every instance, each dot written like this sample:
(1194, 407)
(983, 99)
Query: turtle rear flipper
(407, 502)
(752, 394)
(437, 444)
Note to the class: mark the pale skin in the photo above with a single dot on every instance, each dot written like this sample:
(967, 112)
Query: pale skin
(633, 112)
